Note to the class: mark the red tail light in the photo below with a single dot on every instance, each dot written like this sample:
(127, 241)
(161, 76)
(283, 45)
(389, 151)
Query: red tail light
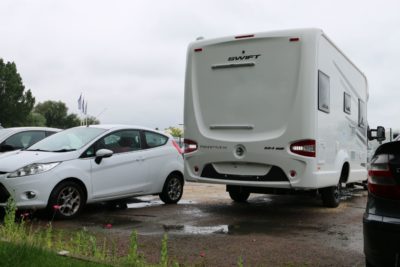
(380, 179)
(304, 148)
(190, 146)
(177, 147)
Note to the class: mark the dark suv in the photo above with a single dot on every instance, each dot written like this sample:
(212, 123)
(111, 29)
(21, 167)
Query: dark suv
(382, 216)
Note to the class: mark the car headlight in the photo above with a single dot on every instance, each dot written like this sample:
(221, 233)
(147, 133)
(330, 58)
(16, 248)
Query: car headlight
(32, 169)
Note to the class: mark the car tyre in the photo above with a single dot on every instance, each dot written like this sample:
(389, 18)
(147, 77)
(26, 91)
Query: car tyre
(239, 195)
(331, 196)
(66, 200)
(172, 190)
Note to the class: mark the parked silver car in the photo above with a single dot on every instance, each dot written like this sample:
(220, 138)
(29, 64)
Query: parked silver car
(22, 137)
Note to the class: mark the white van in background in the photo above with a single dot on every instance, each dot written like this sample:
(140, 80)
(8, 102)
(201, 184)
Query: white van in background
(274, 112)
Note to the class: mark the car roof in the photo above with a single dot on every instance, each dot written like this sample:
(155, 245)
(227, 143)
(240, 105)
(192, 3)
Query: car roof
(120, 127)
(30, 128)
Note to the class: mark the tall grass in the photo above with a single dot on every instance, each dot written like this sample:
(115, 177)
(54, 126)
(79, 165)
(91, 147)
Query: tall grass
(80, 244)
(17, 234)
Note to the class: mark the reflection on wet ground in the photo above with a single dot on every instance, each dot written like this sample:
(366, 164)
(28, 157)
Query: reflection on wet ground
(144, 202)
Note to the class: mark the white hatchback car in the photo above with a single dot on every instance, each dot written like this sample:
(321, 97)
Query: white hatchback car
(92, 164)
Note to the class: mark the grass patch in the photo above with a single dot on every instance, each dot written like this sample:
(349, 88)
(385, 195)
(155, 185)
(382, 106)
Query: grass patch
(23, 244)
(12, 255)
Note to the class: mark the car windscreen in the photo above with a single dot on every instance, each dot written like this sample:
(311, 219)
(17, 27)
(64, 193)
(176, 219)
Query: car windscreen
(68, 140)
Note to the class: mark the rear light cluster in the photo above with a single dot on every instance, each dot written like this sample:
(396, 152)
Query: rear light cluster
(381, 181)
(189, 146)
(303, 148)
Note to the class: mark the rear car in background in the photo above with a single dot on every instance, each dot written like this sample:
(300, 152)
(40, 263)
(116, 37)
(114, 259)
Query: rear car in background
(381, 220)
(22, 137)
(92, 164)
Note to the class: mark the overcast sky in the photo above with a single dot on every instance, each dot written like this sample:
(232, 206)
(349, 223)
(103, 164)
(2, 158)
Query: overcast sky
(127, 58)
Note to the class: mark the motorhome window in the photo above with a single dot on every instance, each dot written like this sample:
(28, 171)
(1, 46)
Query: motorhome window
(323, 92)
(361, 113)
(347, 103)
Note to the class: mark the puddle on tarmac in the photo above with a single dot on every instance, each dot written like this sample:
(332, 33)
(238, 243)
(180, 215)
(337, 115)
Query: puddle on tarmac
(243, 228)
(144, 202)
(197, 230)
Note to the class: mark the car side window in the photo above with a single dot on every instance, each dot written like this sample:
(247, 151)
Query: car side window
(120, 141)
(155, 139)
(24, 139)
(48, 133)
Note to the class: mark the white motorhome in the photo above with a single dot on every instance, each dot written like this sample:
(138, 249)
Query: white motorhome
(275, 112)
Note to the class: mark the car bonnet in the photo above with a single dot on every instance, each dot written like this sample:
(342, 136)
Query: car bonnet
(10, 162)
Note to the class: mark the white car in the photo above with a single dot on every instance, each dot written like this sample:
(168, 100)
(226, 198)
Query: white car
(22, 137)
(92, 164)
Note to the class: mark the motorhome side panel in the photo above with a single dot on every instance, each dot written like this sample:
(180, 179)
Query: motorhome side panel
(341, 117)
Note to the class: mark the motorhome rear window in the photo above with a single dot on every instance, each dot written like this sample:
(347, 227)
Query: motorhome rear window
(323, 92)
(347, 103)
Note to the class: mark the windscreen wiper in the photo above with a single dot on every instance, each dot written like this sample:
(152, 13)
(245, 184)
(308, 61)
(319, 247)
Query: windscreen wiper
(64, 150)
(38, 149)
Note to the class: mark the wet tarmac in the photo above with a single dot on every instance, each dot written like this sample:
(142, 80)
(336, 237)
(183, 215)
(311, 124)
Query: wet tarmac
(207, 228)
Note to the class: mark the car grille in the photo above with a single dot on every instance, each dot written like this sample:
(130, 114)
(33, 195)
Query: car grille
(276, 174)
(4, 194)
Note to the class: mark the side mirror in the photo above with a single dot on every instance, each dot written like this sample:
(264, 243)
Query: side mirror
(102, 153)
(378, 134)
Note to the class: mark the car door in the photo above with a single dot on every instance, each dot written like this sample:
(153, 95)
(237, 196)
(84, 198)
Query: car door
(123, 174)
(157, 156)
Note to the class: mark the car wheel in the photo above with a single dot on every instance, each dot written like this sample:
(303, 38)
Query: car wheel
(331, 196)
(239, 195)
(66, 200)
(172, 190)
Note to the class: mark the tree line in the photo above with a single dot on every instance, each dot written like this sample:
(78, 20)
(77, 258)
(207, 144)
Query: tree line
(17, 105)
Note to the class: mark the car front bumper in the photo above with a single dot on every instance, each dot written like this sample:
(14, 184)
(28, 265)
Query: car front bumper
(19, 187)
(381, 240)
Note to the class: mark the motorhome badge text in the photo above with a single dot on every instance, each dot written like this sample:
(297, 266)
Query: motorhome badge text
(243, 57)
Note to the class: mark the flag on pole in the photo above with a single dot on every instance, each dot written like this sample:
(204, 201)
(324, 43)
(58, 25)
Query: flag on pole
(83, 106)
(80, 102)
(86, 108)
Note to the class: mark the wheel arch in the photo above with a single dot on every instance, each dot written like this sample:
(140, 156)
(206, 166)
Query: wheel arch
(76, 180)
(179, 174)
(345, 172)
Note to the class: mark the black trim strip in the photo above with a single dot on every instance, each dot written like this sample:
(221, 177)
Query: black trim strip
(275, 174)
(232, 65)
